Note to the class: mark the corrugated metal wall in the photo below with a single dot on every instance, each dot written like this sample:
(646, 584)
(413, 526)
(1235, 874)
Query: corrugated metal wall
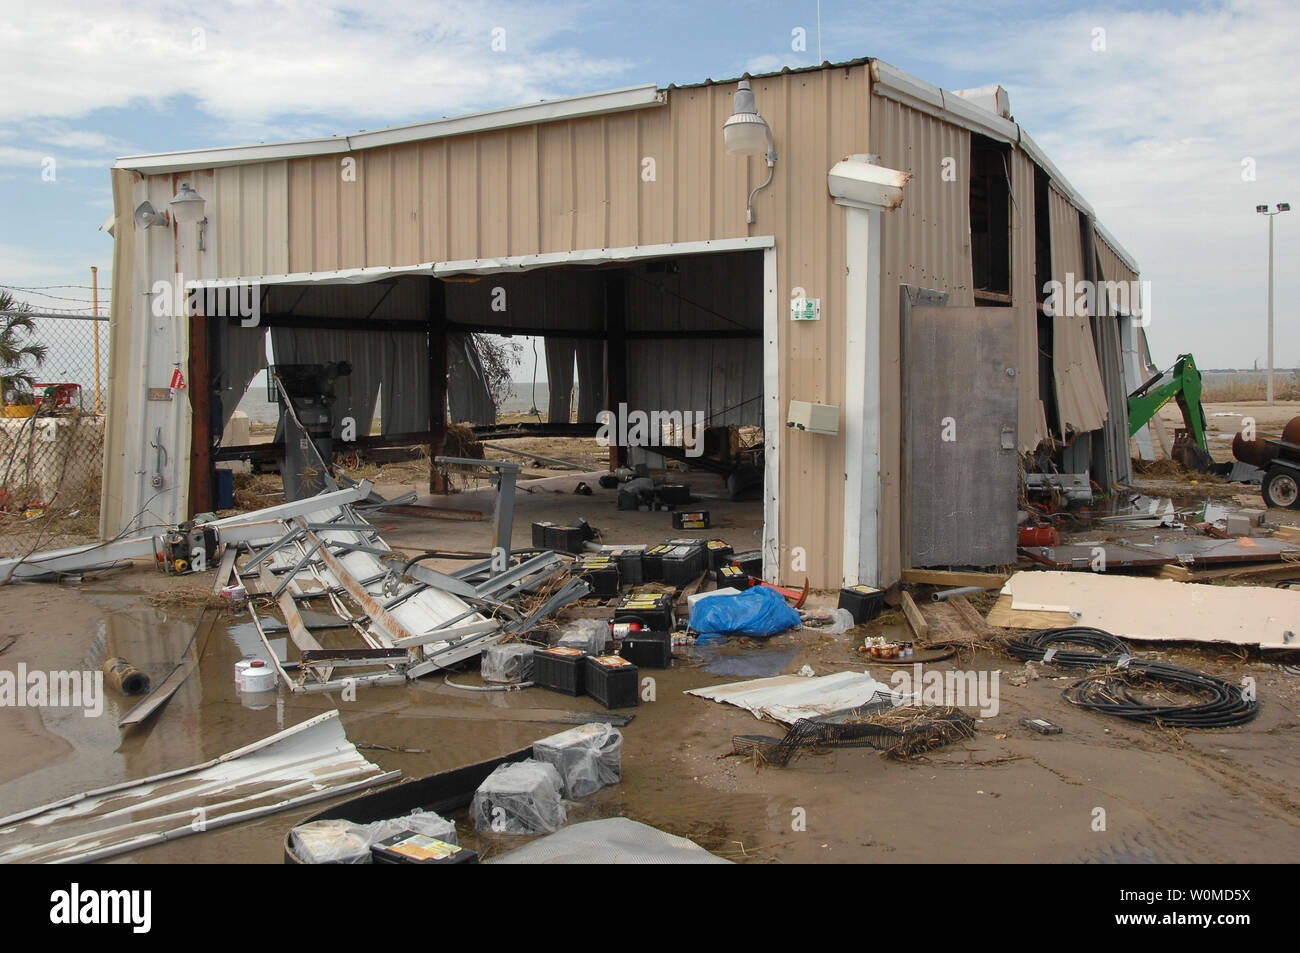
(585, 183)
(1080, 396)
(721, 377)
(1112, 266)
(653, 176)
(1109, 337)
(926, 243)
(722, 292)
(1024, 299)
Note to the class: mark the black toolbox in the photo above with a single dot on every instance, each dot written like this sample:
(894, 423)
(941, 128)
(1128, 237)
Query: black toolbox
(691, 519)
(719, 551)
(654, 610)
(863, 602)
(613, 681)
(600, 571)
(682, 565)
(751, 561)
(731, 577)
(674, 494)
(565, 539)
(652, 565)
(408, 847)
(630, 568)
(560, 669)
(539, 534)
(648, 649)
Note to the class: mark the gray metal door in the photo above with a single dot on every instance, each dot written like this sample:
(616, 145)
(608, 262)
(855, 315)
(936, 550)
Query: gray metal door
(960, 411)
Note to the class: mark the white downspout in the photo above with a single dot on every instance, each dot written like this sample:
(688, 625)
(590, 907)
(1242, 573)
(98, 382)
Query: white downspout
(864, 189)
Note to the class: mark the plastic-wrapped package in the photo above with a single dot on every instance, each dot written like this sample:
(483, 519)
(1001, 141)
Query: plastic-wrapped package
(587, 635)
(512, 662)
(519, 798)
(587, 757)
(343, 842)
(427, 823)
(332, 842)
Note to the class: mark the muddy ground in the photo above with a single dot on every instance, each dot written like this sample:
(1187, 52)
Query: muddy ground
(1005, 795)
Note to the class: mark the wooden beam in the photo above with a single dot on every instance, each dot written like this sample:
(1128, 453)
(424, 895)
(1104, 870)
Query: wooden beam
(915, 619)
(969, 615)
(946, 577)
(1003, 616)
(1289, 533)
(1267, 570)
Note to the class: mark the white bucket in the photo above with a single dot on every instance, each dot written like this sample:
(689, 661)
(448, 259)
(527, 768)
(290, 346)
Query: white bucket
(254, 675)
(235, 594)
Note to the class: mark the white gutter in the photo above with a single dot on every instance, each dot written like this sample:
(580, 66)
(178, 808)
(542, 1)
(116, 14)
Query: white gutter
(865, 190)
(496, 266)
(892, 83)
(548, 110)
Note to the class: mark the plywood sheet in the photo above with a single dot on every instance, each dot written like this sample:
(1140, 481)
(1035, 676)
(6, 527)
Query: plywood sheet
(1161, 610)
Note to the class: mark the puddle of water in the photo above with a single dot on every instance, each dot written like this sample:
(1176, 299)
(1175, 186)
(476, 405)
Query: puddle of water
(725, 658)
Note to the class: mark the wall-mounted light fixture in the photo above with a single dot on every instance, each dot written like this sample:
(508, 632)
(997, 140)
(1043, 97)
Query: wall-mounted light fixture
(187, 206)
(747, 133)
(146, 216)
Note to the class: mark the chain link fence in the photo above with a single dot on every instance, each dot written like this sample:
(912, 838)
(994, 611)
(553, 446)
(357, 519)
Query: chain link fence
(52, 430)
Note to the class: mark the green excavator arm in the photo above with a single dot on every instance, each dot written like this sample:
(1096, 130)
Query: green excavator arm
(1182, 383)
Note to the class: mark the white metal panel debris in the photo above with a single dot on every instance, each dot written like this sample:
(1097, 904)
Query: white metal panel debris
(302, 764)
(787, 698)
(1159, 610)
(611, 840)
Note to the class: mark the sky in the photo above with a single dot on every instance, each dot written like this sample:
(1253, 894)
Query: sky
(1174, 120)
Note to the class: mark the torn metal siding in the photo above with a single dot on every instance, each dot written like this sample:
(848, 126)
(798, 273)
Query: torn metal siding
(926, 244)
(1032, 425)
(1108, 337)
(787, 698)
(308, 762)
(1113, 268)
(1080, 393)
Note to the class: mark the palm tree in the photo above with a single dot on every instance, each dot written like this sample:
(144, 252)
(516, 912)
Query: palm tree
(19, 353)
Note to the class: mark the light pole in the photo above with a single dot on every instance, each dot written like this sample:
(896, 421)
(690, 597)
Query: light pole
(1263, 210)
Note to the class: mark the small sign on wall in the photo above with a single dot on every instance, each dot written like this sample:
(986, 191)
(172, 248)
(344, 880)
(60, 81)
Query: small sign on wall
(806, 309)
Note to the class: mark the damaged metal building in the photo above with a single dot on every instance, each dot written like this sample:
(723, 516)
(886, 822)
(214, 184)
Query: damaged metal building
(893, 269)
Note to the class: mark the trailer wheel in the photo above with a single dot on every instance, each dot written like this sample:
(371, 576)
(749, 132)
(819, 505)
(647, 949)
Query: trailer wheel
(1281, 489)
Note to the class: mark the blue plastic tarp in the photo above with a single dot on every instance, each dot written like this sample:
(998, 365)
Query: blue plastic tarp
(759, 610)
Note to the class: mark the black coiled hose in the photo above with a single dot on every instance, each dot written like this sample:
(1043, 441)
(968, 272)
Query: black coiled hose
(1111, 693)
(1036, 647)
(1222, 704)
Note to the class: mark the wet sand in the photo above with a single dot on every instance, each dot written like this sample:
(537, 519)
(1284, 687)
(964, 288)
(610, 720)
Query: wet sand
(1005, 795)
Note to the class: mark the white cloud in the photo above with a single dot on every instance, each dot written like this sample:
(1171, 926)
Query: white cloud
(1153, 131)
(249, 62)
